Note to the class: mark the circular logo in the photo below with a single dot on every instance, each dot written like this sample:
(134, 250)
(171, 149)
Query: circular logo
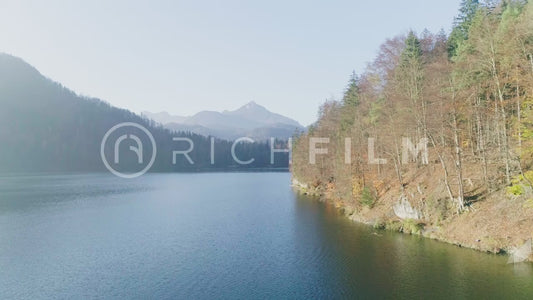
(138, 150)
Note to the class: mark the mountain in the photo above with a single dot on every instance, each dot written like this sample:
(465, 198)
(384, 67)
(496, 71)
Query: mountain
(251, 120)
(255, 112)
(46, 127)
(164, 117)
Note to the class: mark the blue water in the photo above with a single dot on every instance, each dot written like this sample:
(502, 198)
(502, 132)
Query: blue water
(219, 235)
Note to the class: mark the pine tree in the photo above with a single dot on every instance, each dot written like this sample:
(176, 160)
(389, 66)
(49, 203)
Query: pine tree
(462, 24)
(351, 94)
(412, 50)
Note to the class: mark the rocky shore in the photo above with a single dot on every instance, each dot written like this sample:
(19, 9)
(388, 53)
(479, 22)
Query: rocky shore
(492, 226)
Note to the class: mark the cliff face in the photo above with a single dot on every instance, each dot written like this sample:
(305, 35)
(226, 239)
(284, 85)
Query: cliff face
(436, 136)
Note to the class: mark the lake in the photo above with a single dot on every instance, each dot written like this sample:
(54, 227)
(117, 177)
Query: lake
(219, 235)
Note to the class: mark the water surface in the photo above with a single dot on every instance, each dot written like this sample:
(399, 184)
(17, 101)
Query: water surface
(218, 235)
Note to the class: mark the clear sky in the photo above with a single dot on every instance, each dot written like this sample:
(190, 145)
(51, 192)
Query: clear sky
(187, 56)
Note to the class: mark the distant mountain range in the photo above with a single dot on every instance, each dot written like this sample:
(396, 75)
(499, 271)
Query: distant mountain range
(251, 120)
(45, 127)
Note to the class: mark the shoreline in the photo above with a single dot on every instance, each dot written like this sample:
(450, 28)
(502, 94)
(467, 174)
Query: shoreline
(444, 233)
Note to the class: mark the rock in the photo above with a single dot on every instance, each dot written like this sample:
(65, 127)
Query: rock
(404, 210)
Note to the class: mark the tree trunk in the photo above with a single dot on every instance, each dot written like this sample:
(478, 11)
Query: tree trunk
(503, 117)
(458, 164)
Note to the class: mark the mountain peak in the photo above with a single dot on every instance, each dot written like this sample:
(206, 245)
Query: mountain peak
(15, 68)
(259, 114)
(250, 119)
(251, 106)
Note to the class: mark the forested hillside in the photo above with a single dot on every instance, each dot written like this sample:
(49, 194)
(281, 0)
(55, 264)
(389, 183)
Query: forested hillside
(469, 94)
(46, 127)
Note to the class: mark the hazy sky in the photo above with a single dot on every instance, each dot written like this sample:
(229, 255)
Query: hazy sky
(187, 56)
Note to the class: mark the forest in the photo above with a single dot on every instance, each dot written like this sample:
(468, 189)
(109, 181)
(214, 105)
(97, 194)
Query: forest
(469, 94)
(49, 128)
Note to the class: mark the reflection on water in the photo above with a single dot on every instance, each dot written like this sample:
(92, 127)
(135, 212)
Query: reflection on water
(390, 265)
(523, 270)
(226, 235)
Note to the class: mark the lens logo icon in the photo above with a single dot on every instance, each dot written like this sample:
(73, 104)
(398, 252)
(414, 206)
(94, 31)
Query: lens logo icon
(129, 135)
